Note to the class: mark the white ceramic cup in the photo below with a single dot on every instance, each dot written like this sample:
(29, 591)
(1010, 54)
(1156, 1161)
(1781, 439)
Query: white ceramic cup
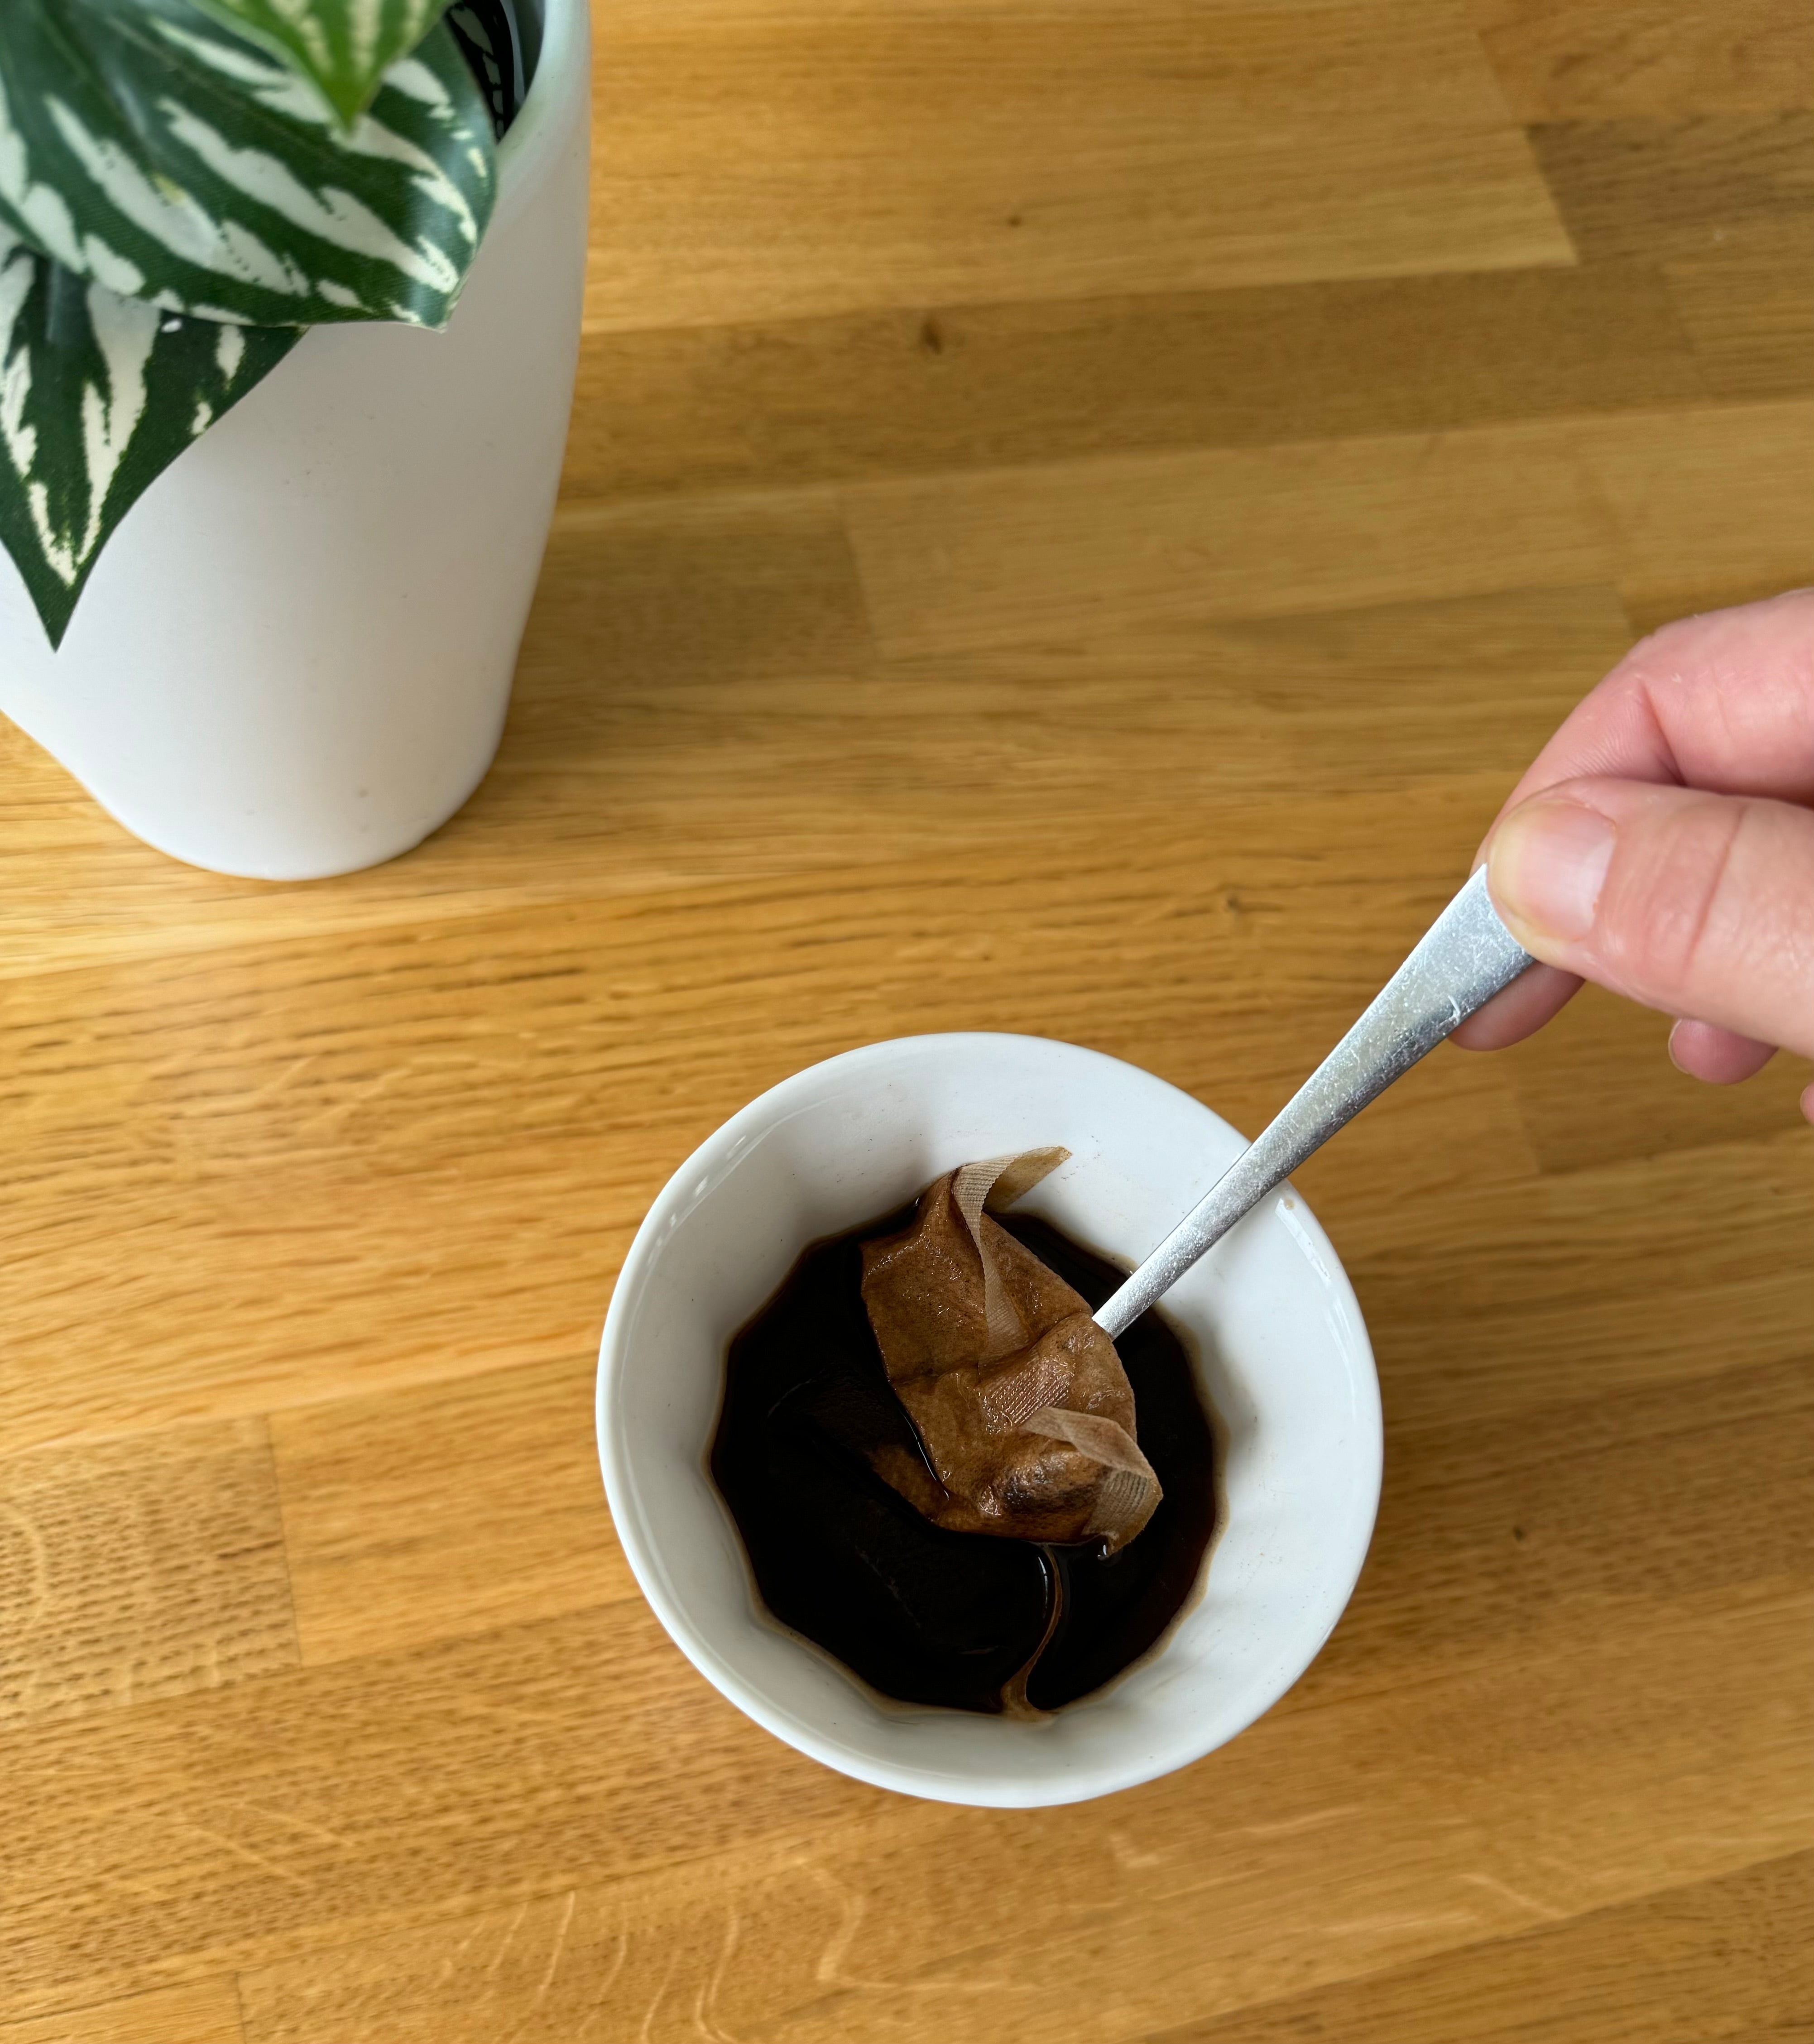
(1270, 1314)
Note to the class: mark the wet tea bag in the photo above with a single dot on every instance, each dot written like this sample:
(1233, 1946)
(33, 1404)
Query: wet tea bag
(1018, 1399)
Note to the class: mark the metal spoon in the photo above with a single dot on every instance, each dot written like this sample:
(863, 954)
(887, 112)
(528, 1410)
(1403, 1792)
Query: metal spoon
(1465, 957)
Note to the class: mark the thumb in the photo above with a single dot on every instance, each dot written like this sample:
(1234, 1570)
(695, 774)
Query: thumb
(1699, 904)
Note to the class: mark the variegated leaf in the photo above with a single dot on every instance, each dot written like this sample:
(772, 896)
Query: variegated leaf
(98, 395)
(145, 146)
(343, 46)
(490, 35)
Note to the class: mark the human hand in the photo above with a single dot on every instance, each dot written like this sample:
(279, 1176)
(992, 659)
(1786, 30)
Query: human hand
(1661, 844)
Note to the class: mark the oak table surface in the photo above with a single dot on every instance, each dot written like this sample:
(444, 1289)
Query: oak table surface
(1076, 512)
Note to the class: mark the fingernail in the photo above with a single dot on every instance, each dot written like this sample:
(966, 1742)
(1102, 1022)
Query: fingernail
(1547, 865)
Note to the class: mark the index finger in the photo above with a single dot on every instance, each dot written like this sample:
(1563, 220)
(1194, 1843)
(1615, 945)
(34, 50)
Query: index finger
(1723, 701)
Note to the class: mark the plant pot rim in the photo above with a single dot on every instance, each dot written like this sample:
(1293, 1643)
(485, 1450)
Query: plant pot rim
(535, 135)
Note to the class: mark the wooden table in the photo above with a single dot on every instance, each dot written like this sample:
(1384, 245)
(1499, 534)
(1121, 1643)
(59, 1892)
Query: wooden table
(1078, 509)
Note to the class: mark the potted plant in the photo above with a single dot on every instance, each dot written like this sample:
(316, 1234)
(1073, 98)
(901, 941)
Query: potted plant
(290, 302)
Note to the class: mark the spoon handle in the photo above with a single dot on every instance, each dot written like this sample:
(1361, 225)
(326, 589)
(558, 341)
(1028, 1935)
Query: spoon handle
(1465, 957)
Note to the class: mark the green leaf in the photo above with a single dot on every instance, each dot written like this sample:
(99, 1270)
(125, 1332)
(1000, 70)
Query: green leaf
(98, 395)
(145, 146)
(343, 46)
(491, 40)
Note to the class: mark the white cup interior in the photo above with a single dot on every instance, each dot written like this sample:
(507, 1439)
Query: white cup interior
(1269, 1315)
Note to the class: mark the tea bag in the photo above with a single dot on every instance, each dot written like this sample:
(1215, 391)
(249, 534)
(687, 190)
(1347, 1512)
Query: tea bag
(1021, 1405)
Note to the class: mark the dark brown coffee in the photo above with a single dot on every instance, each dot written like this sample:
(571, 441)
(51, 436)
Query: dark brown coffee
(967, 1620)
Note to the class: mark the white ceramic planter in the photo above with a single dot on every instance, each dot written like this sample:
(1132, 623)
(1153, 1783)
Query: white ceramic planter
(1278, 1337)
(294, 656)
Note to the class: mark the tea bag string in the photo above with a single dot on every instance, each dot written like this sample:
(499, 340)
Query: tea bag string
(998, 1182)
(1130, 1488)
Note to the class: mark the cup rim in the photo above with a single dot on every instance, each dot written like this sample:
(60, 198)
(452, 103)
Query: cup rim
(965, 1787)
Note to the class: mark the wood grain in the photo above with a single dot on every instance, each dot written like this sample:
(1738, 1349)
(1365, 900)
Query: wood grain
(134, 1569)
(1722, 204)
(1671, 506)
(1559, 1294)
(1529, 1525)
(1578, 1110)
(1023, 555)
(355, 1797)
(1687, 187)
(1185, 1897)
(1707, 504)
(1076, 512)
(1634, 1973)
(1751, 330)
(756, 162)
(1605, 60)
(879, 393)
(427, 1513)
(207, 2013)
(411, 1244)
